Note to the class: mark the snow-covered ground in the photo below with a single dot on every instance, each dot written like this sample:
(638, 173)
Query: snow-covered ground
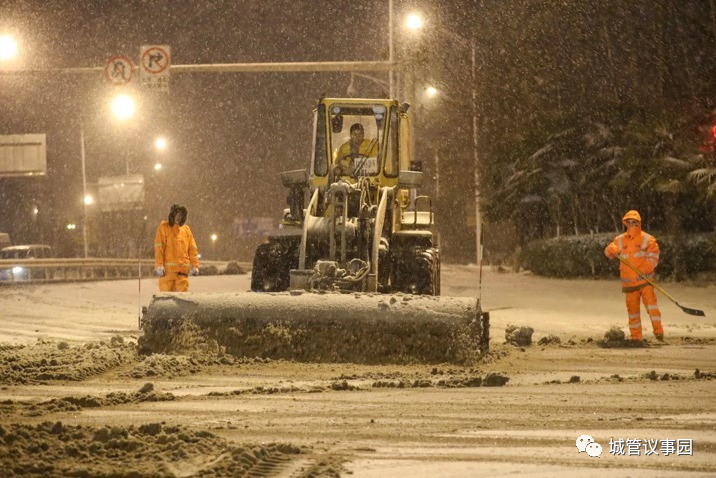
(566, 308)
(361, 420)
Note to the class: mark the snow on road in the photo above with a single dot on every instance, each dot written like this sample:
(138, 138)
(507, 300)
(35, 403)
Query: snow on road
(563, 307)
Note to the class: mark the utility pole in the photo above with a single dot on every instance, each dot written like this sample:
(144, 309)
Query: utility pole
(391, 73)
(84, 190)
(475, 157)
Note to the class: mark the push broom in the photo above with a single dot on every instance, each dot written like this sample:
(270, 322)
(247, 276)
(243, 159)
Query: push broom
(688, 310)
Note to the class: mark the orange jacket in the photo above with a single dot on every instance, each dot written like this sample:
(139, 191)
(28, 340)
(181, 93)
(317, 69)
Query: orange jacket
(637, 247)
(175, 248)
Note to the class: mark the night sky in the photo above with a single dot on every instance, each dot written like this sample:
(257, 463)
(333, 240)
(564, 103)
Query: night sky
(230, 134)
(539, 63)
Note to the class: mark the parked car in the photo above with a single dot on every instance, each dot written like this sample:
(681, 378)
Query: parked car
(23, 252)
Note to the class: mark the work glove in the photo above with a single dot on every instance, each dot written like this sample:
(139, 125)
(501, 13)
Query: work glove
(194, 271)
(160, 271)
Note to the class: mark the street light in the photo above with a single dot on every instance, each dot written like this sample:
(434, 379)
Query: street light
(8, 48)
(214, 237)
(123, 106)
(414, 22)
(161, 143)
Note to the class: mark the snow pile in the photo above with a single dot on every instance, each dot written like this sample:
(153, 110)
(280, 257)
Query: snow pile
(330, 327)
(75, 404)
(520, 336)
(47, 361)
(151, 450)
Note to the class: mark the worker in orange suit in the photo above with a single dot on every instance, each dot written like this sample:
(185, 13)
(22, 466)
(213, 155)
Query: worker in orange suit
(642, 251)
(175, 252)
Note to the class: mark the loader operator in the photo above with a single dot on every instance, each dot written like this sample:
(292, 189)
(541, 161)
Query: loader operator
(356, 147)
(175, 252)
(642, 251)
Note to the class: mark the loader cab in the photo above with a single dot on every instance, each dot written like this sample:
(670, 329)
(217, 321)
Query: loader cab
(336, 153)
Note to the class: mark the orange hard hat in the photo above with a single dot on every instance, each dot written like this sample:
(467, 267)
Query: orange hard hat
(633, 214)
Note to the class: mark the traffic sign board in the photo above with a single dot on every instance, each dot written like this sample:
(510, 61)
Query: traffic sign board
(119, 70)
(155, 61)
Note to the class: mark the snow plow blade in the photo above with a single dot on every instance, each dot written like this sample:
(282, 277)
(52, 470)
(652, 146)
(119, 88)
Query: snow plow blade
(311, 327)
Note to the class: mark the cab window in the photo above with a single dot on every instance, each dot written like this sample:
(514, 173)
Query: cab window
(364, 153)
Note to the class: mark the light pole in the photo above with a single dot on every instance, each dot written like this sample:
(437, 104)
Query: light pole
(84, 190)
(471, 44)
(475, 158)
(414, 23)
(87, 199)
(391, 73)
(122, 107)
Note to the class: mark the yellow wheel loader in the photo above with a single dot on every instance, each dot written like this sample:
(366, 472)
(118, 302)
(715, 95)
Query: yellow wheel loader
(353, 276)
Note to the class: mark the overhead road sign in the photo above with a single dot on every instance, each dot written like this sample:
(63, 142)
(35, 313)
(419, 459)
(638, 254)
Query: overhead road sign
(119, 70)
(155, 61)
(121, 193)
(23, 155)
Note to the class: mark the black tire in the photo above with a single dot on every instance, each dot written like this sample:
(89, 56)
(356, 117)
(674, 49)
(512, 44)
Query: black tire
(416, 272)
(259, 271)
(425, 282)
(272, 263)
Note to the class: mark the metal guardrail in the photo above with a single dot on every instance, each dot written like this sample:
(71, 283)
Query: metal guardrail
(13, 271)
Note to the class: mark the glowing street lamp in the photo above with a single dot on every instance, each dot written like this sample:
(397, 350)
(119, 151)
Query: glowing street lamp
(161, 143)
(8, 48)
(414, 21)
(431, 91)
(88, 200)
(158, 166)
(214, 237)
(123, 106)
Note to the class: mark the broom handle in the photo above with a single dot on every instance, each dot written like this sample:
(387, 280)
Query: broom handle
(649, 281)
